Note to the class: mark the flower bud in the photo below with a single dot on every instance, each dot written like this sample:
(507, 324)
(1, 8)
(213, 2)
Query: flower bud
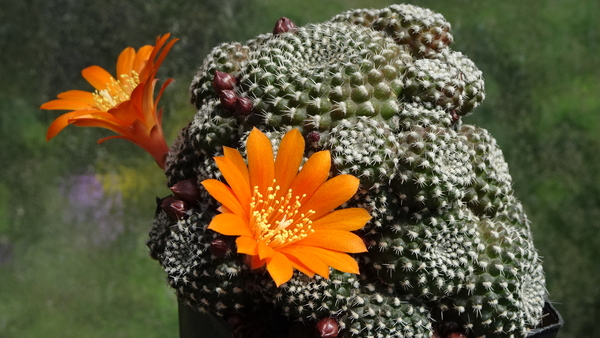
(454, 116)
(180, 208)
(223, 81)
(228, 99)
(327, 327)
(456, 335)
(284, 25)
(243, 106)
(187, 190)
(219, 247)
(313, 136)
(164, 204)
(446, 329)
(176, 209)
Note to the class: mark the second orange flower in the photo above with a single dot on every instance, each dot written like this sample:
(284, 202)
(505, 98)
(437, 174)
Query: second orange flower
(125, 104)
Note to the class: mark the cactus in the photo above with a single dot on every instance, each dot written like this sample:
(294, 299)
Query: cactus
(384, 93)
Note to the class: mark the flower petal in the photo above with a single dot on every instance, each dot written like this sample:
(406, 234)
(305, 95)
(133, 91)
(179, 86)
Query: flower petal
(289, 157)
(141, 60)
(67, 104)
(298, 265)
(260, 161)
(78, 95)
(247, 245)
(336, 240)
(104, 139)
(152, 62)
(97, 77)
(160, 92)
(229, 225)
(308, 257)
(331, 195)
(100, 119)
(236, 180)
(237, 159)
(92, 118)
(126, 112)
(338, 260)
(224, 195)
(265, 251)
(148, 110)
(314, 172)
(256, 262)
(345, 219)
(280, 268)
(125, 62)
(60, 123)
(160, 42)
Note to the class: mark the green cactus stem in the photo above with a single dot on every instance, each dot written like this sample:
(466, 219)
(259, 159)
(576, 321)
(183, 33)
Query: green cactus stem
(382, 91)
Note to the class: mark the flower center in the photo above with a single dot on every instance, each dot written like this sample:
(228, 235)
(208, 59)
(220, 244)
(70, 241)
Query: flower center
(116, 91)
(276, 220)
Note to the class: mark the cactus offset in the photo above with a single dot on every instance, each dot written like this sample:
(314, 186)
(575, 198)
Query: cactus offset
(385, 94)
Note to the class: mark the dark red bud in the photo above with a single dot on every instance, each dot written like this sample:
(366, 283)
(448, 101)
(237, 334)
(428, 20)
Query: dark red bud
(327, 327)
(454, 116)
(445, 329)
(228, 99)
(187, 190)
(284, 25)
(219, 247)
(456, 335)
(313, 136)
(180, 208)
(176, 209)
(165, 203)
(223, 81)
(243, 106)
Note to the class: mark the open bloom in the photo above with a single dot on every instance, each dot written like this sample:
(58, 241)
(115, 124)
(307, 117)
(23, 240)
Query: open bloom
(285, 218)
(124, 104)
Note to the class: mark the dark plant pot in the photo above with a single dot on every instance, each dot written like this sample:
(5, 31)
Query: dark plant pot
(551, 322)
(193, 324)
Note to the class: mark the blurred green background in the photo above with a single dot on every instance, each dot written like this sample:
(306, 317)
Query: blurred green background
(74, 216)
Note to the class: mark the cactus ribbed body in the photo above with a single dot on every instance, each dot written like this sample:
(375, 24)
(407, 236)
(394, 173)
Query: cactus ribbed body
(361, 307)
(433, 166)
(423, 30)
(429, 255)
(492, 188)
(366, 148)
(206, 281)
(385, 94)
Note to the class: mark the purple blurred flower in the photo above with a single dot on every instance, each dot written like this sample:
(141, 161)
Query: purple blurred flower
(97, 213)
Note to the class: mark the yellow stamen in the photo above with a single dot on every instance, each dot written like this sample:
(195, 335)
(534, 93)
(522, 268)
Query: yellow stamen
(275, 220)
(116, 91)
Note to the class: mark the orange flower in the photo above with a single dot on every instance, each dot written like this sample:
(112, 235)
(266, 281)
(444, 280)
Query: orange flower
(124, 105)
(283, 217)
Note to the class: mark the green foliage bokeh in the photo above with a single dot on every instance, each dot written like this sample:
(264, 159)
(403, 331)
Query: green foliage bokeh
(542, 70)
